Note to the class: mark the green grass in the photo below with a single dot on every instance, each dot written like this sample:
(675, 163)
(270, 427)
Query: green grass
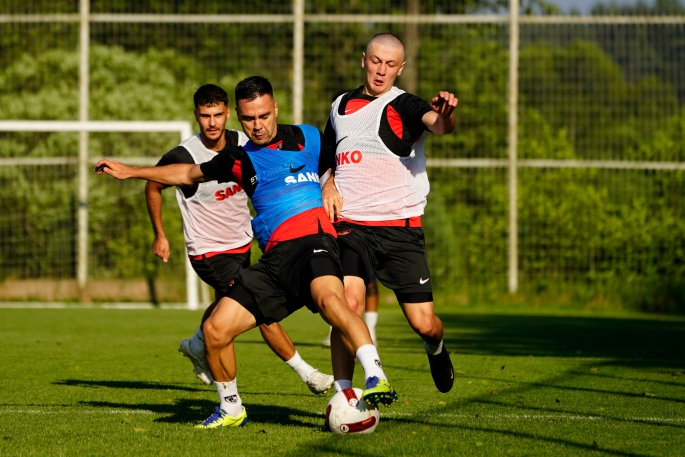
(110, 382)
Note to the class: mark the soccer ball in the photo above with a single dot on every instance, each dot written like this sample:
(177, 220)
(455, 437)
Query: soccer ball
(348, 413)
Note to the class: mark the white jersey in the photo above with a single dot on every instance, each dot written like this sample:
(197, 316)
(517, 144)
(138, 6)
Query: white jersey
(216, 218)
(375, 183)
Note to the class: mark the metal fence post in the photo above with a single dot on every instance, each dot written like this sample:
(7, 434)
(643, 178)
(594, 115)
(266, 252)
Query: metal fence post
(298, 60)
(513, 143)
(84, 95)
(192, 280)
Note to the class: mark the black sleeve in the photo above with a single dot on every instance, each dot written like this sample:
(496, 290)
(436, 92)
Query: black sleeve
(329, 132)
(327, 155)
(225, 166)
(177, 155)
(293, 136)
(411, 109)
(232, 138)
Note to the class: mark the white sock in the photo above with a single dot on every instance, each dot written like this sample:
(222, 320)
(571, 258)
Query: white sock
(327, 341)
(367, 356)
(433, 350)
(342, 384)
(197, 343)
(229, 400)
(301, 367)
(371, 318)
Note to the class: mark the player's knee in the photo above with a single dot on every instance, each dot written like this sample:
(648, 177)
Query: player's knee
(329, 303)
(333, 305)
(424, 325)
(215, 335)
(355, 304)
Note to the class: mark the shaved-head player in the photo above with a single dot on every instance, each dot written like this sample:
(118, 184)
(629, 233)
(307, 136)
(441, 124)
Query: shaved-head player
(379, 131)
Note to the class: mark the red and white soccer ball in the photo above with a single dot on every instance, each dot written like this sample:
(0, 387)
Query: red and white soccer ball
(348, 413)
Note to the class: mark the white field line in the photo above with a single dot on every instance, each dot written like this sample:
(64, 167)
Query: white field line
(75, 411)
(77, 305)
(393, 413)
(539, 417)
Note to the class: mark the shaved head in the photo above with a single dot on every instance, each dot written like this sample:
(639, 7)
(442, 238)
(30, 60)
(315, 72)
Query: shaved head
(382, 62)
(386, 39)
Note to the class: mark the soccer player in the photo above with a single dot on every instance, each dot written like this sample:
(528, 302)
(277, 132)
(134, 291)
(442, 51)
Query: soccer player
(379, 131)
(217, 231)
(280, 170)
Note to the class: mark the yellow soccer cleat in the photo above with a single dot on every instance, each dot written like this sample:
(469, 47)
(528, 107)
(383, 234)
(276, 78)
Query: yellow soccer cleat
(379, 391)
(220, 419)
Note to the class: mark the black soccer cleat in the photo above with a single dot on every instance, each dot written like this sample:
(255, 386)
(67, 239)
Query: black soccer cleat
(442, 370)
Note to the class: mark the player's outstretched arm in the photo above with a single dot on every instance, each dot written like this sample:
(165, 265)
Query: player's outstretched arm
(441, 119)
(332, 200)
(178, 174)
(153, 198)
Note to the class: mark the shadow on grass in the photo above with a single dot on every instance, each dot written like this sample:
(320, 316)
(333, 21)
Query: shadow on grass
(336, 444)
(189, 411)
(140, 385)
(566, 443)
(633, 342)
(127, 385)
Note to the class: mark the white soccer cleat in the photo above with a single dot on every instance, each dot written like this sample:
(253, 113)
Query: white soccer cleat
(199, 361)
(319, 383)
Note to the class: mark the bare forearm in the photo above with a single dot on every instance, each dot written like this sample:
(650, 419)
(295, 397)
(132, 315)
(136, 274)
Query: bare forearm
(331, 198)
(178, 174)
(153, 197)
(443, 125)
(441, 119)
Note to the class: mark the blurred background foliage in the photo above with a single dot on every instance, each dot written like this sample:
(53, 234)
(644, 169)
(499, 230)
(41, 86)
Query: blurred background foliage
(587, 92)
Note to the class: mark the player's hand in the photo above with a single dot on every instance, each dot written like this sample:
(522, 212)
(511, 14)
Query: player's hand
(444, 103)
(332, 200)
(113, 168)
(160, 247)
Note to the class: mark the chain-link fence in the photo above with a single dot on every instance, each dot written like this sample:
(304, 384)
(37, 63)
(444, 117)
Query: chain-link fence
(578, 199)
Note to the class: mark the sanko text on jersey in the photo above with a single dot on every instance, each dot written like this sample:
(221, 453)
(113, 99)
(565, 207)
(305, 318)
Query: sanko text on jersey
(228, 192)
(302, 177)
(348, 157)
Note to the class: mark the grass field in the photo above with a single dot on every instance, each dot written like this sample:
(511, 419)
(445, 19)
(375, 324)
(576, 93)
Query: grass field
(110, 382)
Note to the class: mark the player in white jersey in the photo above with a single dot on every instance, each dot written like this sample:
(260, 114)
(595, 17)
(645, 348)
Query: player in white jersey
(381, 174)
(217, 231)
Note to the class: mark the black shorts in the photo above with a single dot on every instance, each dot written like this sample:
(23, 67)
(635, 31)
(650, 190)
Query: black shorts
(218, 271)
(279, 284)
(397, 256)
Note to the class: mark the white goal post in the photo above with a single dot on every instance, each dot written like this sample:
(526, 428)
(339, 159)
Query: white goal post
(85, 163)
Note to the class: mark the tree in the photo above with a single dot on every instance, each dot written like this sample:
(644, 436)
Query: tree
(39, 203)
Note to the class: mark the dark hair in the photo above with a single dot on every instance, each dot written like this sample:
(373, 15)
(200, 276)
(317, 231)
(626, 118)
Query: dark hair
(211, 95)
(253, 87)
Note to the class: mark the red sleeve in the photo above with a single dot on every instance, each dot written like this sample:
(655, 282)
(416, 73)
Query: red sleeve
(395, 121)
(238, 172)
